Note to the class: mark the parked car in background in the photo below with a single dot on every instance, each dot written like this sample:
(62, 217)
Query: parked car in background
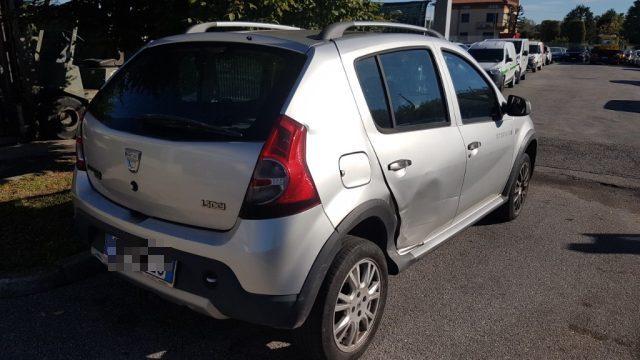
(558, 53)
(287, 200)
(464, 46)
(606, 56)
(580, 54)
(498, 59)
(634, 59)
(548, 57)
(627, 56)
(536, 56)
(522, 55)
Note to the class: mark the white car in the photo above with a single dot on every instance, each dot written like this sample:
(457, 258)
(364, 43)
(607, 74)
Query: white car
(548, 57)
(536, 56)
(278, 176)
(635, 58)
(498, 59)
(522, 55)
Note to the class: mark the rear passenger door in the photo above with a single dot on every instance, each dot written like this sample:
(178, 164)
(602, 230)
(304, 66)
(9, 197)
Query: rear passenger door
(488, 136)
(421, 153)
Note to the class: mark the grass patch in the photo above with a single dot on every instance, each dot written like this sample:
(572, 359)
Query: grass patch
(36, 221)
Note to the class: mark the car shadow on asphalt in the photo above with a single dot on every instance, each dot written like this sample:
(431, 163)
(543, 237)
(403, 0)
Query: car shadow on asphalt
(157, 328)
(632, 106)
(609, 244)
(626, 82)
(632, 69)
(36, 157)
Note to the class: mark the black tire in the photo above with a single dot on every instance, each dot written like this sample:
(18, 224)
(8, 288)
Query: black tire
(534, 69)
(524, 75)
(512, 84)
(315, 338)
(518, 77)
(64, 117)
(518, 190)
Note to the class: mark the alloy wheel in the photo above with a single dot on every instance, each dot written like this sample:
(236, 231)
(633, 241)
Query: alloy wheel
(357, 305)
(522, 187)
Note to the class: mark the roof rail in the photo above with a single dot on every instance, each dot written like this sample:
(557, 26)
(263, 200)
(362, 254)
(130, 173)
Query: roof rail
(336, 30)
(200, 28)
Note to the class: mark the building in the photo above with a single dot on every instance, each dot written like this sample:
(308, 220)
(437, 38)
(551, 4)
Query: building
(476, 20)
(408, 12)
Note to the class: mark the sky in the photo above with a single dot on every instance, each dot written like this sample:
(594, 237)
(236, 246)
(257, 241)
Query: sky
(539, 10)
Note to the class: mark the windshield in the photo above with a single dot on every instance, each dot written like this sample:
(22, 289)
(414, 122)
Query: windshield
(534, 49)
(517, 44)
(199, 91)
(487, 55)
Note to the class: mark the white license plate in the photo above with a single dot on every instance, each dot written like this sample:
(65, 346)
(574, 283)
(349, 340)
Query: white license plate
(167, 276)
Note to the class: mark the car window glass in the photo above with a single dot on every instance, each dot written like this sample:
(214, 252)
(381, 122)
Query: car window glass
(476, 98)
(414, 88)
(235, 91)
(373, 89)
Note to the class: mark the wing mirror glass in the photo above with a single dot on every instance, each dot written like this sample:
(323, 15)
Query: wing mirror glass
(509, 59)
(525, 53)
(517, 106)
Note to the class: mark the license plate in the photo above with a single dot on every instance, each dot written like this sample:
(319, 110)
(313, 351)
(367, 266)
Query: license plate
(155, 266)
(167, 276)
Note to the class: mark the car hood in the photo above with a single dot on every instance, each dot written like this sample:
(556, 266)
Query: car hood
(488, 66)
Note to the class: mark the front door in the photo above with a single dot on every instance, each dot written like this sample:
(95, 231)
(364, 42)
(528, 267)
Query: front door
(488, 137)
(421, 153)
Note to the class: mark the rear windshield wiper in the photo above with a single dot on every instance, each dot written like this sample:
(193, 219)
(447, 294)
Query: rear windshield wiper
(176, 121)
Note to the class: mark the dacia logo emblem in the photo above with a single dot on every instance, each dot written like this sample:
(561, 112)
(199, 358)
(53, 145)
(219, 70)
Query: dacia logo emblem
(132, 157)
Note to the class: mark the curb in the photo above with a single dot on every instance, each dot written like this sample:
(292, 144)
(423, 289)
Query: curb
(69, 270)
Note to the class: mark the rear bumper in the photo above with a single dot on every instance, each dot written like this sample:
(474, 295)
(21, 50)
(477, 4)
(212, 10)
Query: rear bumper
(268, 272)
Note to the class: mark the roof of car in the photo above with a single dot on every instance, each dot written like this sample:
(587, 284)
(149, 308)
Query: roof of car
(491, 44)
(299, 40)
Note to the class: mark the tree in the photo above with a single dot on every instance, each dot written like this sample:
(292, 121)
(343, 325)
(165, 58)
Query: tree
(514, 19)
(631, 26)
(575, 31)
(527, 28)
(129, 24)
(584, 14)
(549, 30)
(609, 23)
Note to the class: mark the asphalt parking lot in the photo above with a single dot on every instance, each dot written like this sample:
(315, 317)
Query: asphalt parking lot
(559, 282)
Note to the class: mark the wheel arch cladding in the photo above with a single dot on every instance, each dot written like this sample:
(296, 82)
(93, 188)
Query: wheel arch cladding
(532, 151)
(373, 220)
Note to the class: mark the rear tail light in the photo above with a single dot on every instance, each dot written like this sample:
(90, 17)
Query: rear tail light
(80, 162)
(281, 184)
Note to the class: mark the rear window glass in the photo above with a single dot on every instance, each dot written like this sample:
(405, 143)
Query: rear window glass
(198, 91)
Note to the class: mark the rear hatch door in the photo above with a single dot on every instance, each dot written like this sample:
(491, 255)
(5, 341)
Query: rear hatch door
(177, 132)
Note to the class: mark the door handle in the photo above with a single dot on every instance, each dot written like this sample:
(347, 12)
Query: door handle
(474, 145)
(400, 164)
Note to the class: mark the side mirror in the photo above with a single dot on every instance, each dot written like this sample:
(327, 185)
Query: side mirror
(509, 59)
(517, 106)
(525, 53)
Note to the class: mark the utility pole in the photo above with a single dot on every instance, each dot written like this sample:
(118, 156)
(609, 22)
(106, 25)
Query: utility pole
(442, 17)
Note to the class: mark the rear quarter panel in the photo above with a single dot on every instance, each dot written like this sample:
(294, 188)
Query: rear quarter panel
(324, 103)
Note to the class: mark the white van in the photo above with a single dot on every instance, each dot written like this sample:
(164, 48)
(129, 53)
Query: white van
(498, 59)
(536, 56)
(522, 55)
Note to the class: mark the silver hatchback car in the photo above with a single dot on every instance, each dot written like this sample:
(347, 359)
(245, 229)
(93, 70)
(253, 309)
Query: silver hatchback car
(279, 175)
